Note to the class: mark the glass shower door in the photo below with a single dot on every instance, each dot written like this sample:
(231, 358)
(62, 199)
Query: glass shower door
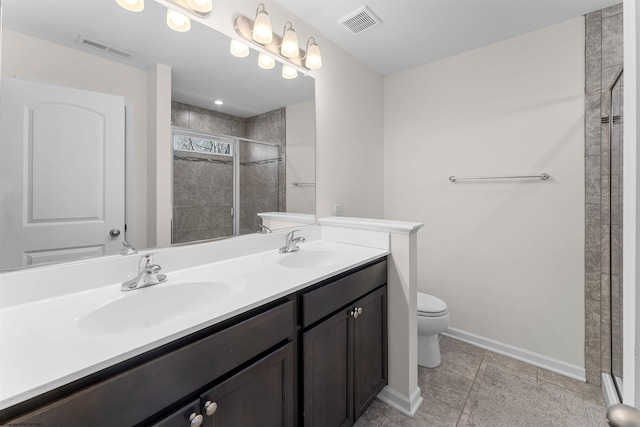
(260, 177)
(615, 237)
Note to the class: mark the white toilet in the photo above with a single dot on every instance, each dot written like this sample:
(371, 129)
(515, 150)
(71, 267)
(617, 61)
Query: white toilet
(433, 319)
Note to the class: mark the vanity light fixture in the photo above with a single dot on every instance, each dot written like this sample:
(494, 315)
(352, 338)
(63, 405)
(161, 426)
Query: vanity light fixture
(201, 6)
(285, 50)
(238, 49)
(132, 5)
(262, 32)
(265, 61)
(313, 59)
(289, 72)
(289, 47)
(177, 21)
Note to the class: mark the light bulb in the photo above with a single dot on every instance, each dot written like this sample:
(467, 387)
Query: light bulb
(289, 46)
(132, 5)
(239, 50)
(202, 6)
(265, 61)
(313, 60)
(262, 32)
(177, 21)
(289, 72)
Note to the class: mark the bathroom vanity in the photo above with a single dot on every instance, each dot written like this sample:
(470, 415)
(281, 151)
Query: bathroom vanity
(313, 353)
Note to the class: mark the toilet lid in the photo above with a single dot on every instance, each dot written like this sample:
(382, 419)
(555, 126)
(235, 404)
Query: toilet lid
(428, 305)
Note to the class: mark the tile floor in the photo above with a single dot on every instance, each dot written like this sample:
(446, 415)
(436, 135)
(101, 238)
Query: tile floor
(448, 390)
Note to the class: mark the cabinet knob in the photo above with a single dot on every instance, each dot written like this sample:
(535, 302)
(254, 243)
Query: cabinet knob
(354, 313)
(196, 420)
(359, 311)
(210, 407)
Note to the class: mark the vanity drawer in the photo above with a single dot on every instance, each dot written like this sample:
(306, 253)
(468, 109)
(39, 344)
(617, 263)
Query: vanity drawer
(326, 299)
(139, 393)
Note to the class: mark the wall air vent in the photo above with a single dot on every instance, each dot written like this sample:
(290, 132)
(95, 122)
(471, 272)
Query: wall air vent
(360, 20)
(103, 47)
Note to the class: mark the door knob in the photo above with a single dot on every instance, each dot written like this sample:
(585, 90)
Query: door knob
(114, 232)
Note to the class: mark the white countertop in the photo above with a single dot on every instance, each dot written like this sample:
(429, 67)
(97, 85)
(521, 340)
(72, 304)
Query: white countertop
(42, 349)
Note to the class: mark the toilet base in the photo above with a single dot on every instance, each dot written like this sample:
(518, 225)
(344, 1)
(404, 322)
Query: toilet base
(429, 351)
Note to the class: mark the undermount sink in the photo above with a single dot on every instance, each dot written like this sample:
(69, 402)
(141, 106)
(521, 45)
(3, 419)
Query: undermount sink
(307, 259)
(126, 312)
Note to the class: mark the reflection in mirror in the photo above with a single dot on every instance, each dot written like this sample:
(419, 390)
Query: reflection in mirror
(67, 164)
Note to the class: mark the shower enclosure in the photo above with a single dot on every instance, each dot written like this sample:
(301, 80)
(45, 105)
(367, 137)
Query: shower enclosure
(220, 184)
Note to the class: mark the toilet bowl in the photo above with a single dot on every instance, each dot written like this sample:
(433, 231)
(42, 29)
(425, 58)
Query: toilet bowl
(433, 319)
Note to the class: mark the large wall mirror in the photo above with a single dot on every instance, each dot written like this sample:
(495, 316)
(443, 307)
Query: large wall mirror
(80, 102)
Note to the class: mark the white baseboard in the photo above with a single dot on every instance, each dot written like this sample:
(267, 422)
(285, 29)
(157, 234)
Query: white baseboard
(609, 390)
(536, 359)
(408, 405)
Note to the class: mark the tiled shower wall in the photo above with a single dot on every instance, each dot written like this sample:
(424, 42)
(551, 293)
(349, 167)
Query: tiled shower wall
(603, 198)
(203, 210)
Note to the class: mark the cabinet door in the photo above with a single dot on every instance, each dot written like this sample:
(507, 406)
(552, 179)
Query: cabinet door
(183, 417)
(260, 395)
(370, 349)
(328, 389)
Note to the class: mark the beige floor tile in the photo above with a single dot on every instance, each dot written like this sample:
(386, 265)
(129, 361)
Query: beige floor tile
(452, 344)
(517, 366)
(459, 363)
(436, 413)
(582, 389)
(444, 387)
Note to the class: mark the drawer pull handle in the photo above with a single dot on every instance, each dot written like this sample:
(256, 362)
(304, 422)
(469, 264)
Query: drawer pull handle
(210, 407)
(196, 420)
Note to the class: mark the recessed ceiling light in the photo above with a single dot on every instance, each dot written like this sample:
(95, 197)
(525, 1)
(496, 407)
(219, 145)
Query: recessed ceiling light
(218, 102)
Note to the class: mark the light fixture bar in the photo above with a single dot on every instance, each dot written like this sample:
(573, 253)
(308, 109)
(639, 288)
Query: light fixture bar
(182, 4)
(243, 26)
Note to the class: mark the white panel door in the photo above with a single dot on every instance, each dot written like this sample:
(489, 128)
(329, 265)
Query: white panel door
(61, 173)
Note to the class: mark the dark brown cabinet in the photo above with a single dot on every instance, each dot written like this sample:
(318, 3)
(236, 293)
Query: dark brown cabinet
(369, 350)
(327, 350)
(345, 356)
(260, 395)
(188, 416)
(151, 390)
(315, 358)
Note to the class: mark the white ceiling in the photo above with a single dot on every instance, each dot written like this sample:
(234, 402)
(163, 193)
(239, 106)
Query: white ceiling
(416, 32)
(413, 32)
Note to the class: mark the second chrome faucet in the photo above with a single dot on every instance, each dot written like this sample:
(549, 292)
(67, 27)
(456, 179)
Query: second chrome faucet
(147, 275)
(291, 243)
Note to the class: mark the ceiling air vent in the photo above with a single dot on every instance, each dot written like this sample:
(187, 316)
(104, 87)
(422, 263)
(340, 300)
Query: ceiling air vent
(103, 47)
(360, 20)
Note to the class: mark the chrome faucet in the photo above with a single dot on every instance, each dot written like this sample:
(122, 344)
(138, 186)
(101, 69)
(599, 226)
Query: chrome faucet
(128, 248)
(263, 229)
(147, 275)
(291, 243)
